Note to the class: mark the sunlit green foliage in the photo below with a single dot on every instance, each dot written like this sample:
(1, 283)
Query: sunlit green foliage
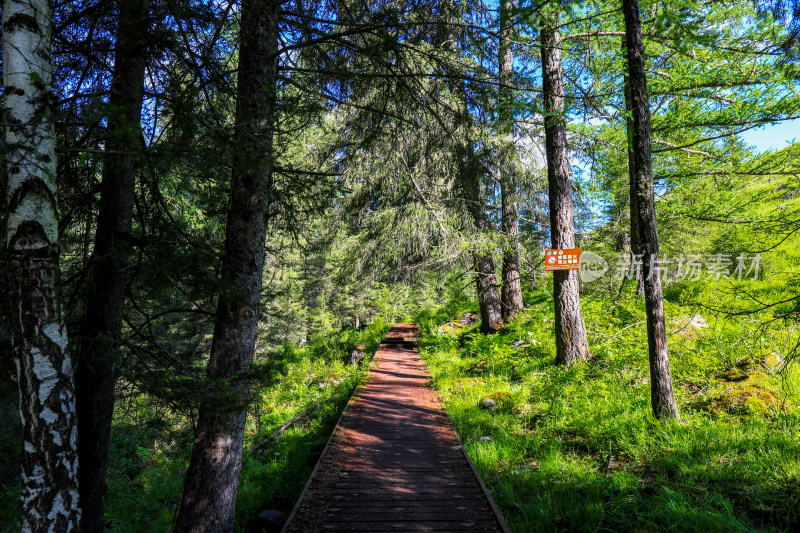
(577, 449)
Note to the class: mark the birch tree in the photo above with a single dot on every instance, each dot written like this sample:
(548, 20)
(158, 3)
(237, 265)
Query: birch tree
(44, 368)
(5, 332)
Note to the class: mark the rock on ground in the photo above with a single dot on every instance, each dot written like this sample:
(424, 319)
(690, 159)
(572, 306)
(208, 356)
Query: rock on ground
(467, 319)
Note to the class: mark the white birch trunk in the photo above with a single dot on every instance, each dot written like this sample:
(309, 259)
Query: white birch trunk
(47, 402)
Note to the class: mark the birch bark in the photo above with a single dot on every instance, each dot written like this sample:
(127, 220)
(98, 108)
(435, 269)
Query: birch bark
(39, 338)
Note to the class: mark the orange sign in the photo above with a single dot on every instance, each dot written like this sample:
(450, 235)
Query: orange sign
(569, 259)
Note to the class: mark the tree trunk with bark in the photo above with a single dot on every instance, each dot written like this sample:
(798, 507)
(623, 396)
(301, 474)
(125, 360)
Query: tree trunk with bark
(468, 179)
(6, 364)
(98, 359)
(212, 481)
(571, 343)
(488, 295)
(49, 500)
(633, 235)
(511, 291)
(643, 218)
(486, 285)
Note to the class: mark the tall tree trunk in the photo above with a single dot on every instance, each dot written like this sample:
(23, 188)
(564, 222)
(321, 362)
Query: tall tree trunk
(469, 181)
(212, 481)
(483, 264)
(488, 295)
(39, 336)
(511, 292)
(643, 218)
(571, 344)
(634, 236)
(6, 364)
(97, 366)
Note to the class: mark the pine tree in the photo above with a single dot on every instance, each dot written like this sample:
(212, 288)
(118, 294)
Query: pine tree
(643, 218)
(511, 291)
(212, 481)
(98, 360)
(571, 343)
(468, 181)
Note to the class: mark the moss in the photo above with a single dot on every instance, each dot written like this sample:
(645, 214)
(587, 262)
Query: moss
(732, 376)
(450, 328)
(467, 382)
(459, 325)
(499, 396)
(502, 401)
(744, 397)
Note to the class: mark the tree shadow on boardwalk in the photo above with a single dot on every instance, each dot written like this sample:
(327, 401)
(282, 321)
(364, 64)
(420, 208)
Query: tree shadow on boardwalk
(394, 462)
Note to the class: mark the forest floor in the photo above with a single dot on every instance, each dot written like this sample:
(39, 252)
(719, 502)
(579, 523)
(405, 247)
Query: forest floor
(305, 387)
(578, 449)
(560, 450)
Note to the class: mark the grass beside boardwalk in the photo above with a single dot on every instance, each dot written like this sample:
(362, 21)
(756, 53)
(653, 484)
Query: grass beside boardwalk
(151, 443)
(578, 449)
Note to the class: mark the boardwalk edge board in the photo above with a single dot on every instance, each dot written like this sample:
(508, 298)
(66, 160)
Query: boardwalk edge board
(484, 488)
(352, 399)
(419, 417)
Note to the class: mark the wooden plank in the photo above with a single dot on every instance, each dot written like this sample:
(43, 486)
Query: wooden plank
(394, 461)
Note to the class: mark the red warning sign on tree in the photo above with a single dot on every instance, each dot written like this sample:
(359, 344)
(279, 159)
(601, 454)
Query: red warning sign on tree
(569, 259)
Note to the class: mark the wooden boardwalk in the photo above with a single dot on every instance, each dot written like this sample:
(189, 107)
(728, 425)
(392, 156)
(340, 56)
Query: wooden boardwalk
(394, 461)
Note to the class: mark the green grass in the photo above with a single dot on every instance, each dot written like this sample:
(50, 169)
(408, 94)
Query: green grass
(316, 382)
(578, 449)
(151, 443)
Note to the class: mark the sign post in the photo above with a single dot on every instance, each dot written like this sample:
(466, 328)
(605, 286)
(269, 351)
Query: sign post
(568, 259)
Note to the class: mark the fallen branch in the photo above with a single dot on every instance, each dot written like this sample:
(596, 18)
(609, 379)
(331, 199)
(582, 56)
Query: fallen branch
(278, 432)
(281, 429)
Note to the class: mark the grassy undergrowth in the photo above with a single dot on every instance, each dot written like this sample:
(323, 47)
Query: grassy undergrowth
(578, 450)
(151, 443)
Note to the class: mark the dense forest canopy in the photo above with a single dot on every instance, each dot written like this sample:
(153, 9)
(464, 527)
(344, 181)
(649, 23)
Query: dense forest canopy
(210, 206)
